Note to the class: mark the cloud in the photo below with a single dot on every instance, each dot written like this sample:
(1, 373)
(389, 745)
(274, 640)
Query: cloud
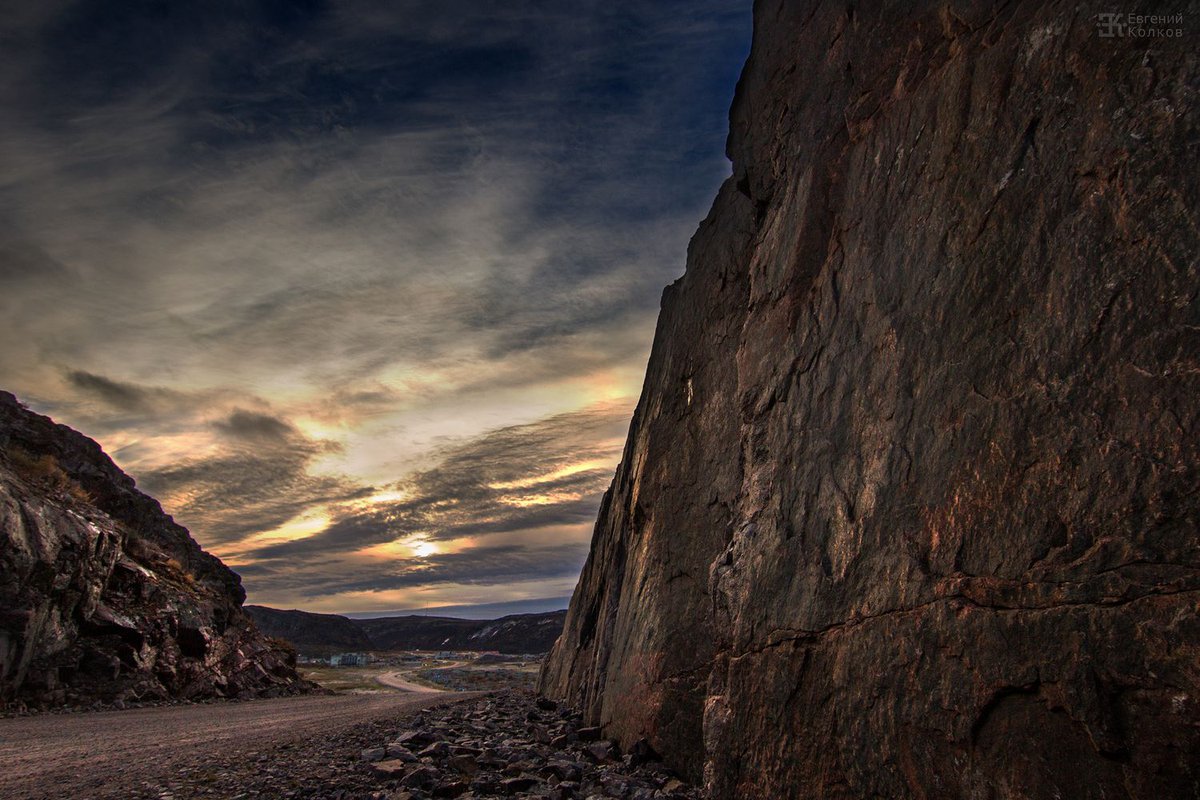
(398, 153)
(284, 258)
(104, 405)
(253, 426)
(550, 473)
(23, 264)
(256, 483)
(486, 566)
(483, 567)
(124, 396)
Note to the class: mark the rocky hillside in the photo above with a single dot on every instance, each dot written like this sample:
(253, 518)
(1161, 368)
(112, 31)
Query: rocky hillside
(518, 633)
(102, 596)
(908, 507)
(322, 633)
(311, 633)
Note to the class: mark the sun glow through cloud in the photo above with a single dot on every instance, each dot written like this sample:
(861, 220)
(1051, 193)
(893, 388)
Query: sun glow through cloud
(548, 477)
(410, 547)
(300, 527)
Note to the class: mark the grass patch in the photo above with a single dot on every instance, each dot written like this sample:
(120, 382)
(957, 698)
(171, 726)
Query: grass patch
(353, 680)
(45, 471)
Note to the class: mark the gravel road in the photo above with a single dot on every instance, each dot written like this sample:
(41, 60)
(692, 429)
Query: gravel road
(192, 751)
(398, 680)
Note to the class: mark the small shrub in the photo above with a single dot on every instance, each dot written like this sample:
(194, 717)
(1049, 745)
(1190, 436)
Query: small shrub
(45, 471)
(80, 494)
(42, 469)
(279, 643)
(173, 566)
(141, 550)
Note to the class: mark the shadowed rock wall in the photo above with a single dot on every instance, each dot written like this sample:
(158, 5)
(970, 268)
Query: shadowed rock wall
(909, 503)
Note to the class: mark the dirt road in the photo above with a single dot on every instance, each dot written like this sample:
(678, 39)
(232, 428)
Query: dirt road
(398, 680)
(141, 752)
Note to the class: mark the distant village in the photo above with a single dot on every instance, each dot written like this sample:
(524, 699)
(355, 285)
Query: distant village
(363, 659)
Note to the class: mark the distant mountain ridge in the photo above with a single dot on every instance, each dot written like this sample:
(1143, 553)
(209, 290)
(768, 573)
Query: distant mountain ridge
(307, 630)
(484, 611)
(320, 633)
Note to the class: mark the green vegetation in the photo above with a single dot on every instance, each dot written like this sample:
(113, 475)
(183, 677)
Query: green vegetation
(346, 679)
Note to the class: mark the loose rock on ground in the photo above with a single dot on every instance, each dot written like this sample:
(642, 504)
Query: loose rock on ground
(514, 745)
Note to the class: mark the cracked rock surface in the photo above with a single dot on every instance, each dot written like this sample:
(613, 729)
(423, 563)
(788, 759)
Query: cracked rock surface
(908, 507)
(104, 599)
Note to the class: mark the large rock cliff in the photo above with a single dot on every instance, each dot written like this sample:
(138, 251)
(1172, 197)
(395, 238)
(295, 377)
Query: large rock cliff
(102, 596)
(909, 503)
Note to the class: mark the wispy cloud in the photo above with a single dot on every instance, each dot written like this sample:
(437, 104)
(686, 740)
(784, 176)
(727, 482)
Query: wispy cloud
(513, 506)
(519, 478)
(124, 396)
(274, 256)
(479, 566)
(255, 427)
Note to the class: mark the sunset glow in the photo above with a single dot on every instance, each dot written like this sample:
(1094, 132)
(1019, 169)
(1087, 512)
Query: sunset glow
(364, 298)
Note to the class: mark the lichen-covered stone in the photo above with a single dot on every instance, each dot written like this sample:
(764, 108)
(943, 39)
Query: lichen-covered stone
(908, 507)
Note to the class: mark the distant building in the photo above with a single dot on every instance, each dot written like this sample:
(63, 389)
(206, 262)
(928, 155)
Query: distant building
(349, 660)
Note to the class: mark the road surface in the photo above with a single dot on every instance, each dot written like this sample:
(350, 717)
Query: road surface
(400, 680)
(95, 754)
(397, 680)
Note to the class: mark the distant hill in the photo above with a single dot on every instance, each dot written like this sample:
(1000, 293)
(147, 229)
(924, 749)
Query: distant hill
(519, 633)
(309, 631)
(320, 633)
(486, 611)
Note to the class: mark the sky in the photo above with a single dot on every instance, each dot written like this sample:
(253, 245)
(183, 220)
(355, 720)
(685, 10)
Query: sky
(361, 292)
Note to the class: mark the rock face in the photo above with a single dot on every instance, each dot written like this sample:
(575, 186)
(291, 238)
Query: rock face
(908, 506)
(102, 596)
